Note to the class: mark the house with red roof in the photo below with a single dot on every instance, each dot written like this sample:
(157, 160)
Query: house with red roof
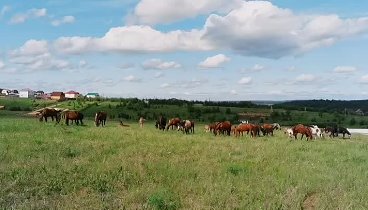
(71, 94)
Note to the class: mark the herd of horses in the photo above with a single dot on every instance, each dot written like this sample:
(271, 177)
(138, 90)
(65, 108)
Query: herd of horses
(72, 116)
(217, 128)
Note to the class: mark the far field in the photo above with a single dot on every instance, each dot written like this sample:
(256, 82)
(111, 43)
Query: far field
(49, 166)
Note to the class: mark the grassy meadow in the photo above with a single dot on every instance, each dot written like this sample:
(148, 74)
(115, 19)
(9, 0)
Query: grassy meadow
(48, 166)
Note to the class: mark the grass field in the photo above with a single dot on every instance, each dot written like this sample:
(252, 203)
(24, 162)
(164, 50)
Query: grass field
(48, 166)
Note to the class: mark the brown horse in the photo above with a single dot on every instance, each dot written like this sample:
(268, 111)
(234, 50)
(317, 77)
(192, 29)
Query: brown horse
(73, 115)
(241, 128)
(50, 112)
(267, 129)
(187, 126)
(173, 122)
(100, 118)
(223, 127)
(304, 130)
(255, 130)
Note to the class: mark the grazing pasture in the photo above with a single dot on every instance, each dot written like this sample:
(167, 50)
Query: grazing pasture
(49, 166)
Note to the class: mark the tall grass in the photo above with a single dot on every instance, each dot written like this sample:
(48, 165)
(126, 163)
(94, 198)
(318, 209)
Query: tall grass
(49, 166)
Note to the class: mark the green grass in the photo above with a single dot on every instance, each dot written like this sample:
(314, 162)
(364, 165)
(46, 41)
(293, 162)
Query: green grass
(48, 166)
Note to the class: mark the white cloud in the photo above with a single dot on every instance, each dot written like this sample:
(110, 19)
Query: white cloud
(345, 69)
(31, 48)
(255, 68)
(159, 74)
(4, 10)
(2, 64)
(65, 20)
(214, 61)
(258, 28)
(159, 64)
(167, 11)
(35, 55)
(364, 79)
(126, 66)
(132, 78)
(32, 13)
(245, 80)
(134, 39)
(165, 85)
(233, 92)
(305, 78)
(255, 28)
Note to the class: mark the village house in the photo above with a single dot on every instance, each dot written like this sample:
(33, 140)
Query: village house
(92, 95)
(58, 96)
(39, 93)
(5, 92)
(26, 93)
(71, 94)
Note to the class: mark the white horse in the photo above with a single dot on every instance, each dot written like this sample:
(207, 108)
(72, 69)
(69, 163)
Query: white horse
(276, 126)
(289, 131)
(316, 131)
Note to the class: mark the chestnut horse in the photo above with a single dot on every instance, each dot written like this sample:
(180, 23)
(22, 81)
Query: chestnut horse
(304, 130)
(223, 127)
(100, 118)
(173, 122)
(241, 128)
(73, 115)
(267, 129)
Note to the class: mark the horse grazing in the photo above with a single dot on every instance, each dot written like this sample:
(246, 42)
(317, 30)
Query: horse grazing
(276, 126)
(173, 122)
(73, 115)
(241, 128)
(50, 112)
(223, 127)
(335, 131)
(289, 131)
(186, 126)
(100, 118)
(267, 129)
(304, 130)
(161, 123)
(316, 131)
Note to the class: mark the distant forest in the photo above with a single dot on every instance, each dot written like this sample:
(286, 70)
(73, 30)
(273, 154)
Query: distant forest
(340, 106)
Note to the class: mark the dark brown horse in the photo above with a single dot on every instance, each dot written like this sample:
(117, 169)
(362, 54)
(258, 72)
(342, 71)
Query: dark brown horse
(173, 122)
(73, 115)
(100, 118)
(161, 123)
(50, 112)
(304, 130)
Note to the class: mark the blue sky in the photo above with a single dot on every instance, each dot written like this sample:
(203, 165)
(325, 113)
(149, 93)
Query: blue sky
(210, 50)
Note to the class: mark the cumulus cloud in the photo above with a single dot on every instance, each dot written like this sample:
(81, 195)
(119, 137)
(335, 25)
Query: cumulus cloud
(233, 92)
(32, 13)
(65, 20)
(254, 28)
(166, 11)
(305, 78)
(214, 61)
(160, 65)
(258, 28)
(132, 78)
(245, 80)
(2, 64)
(134, 39)
(35, 55)
(345, 69)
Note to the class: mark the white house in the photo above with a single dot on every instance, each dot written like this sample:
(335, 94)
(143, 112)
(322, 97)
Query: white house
(26, 93)
(71, 94)
(92, 95)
